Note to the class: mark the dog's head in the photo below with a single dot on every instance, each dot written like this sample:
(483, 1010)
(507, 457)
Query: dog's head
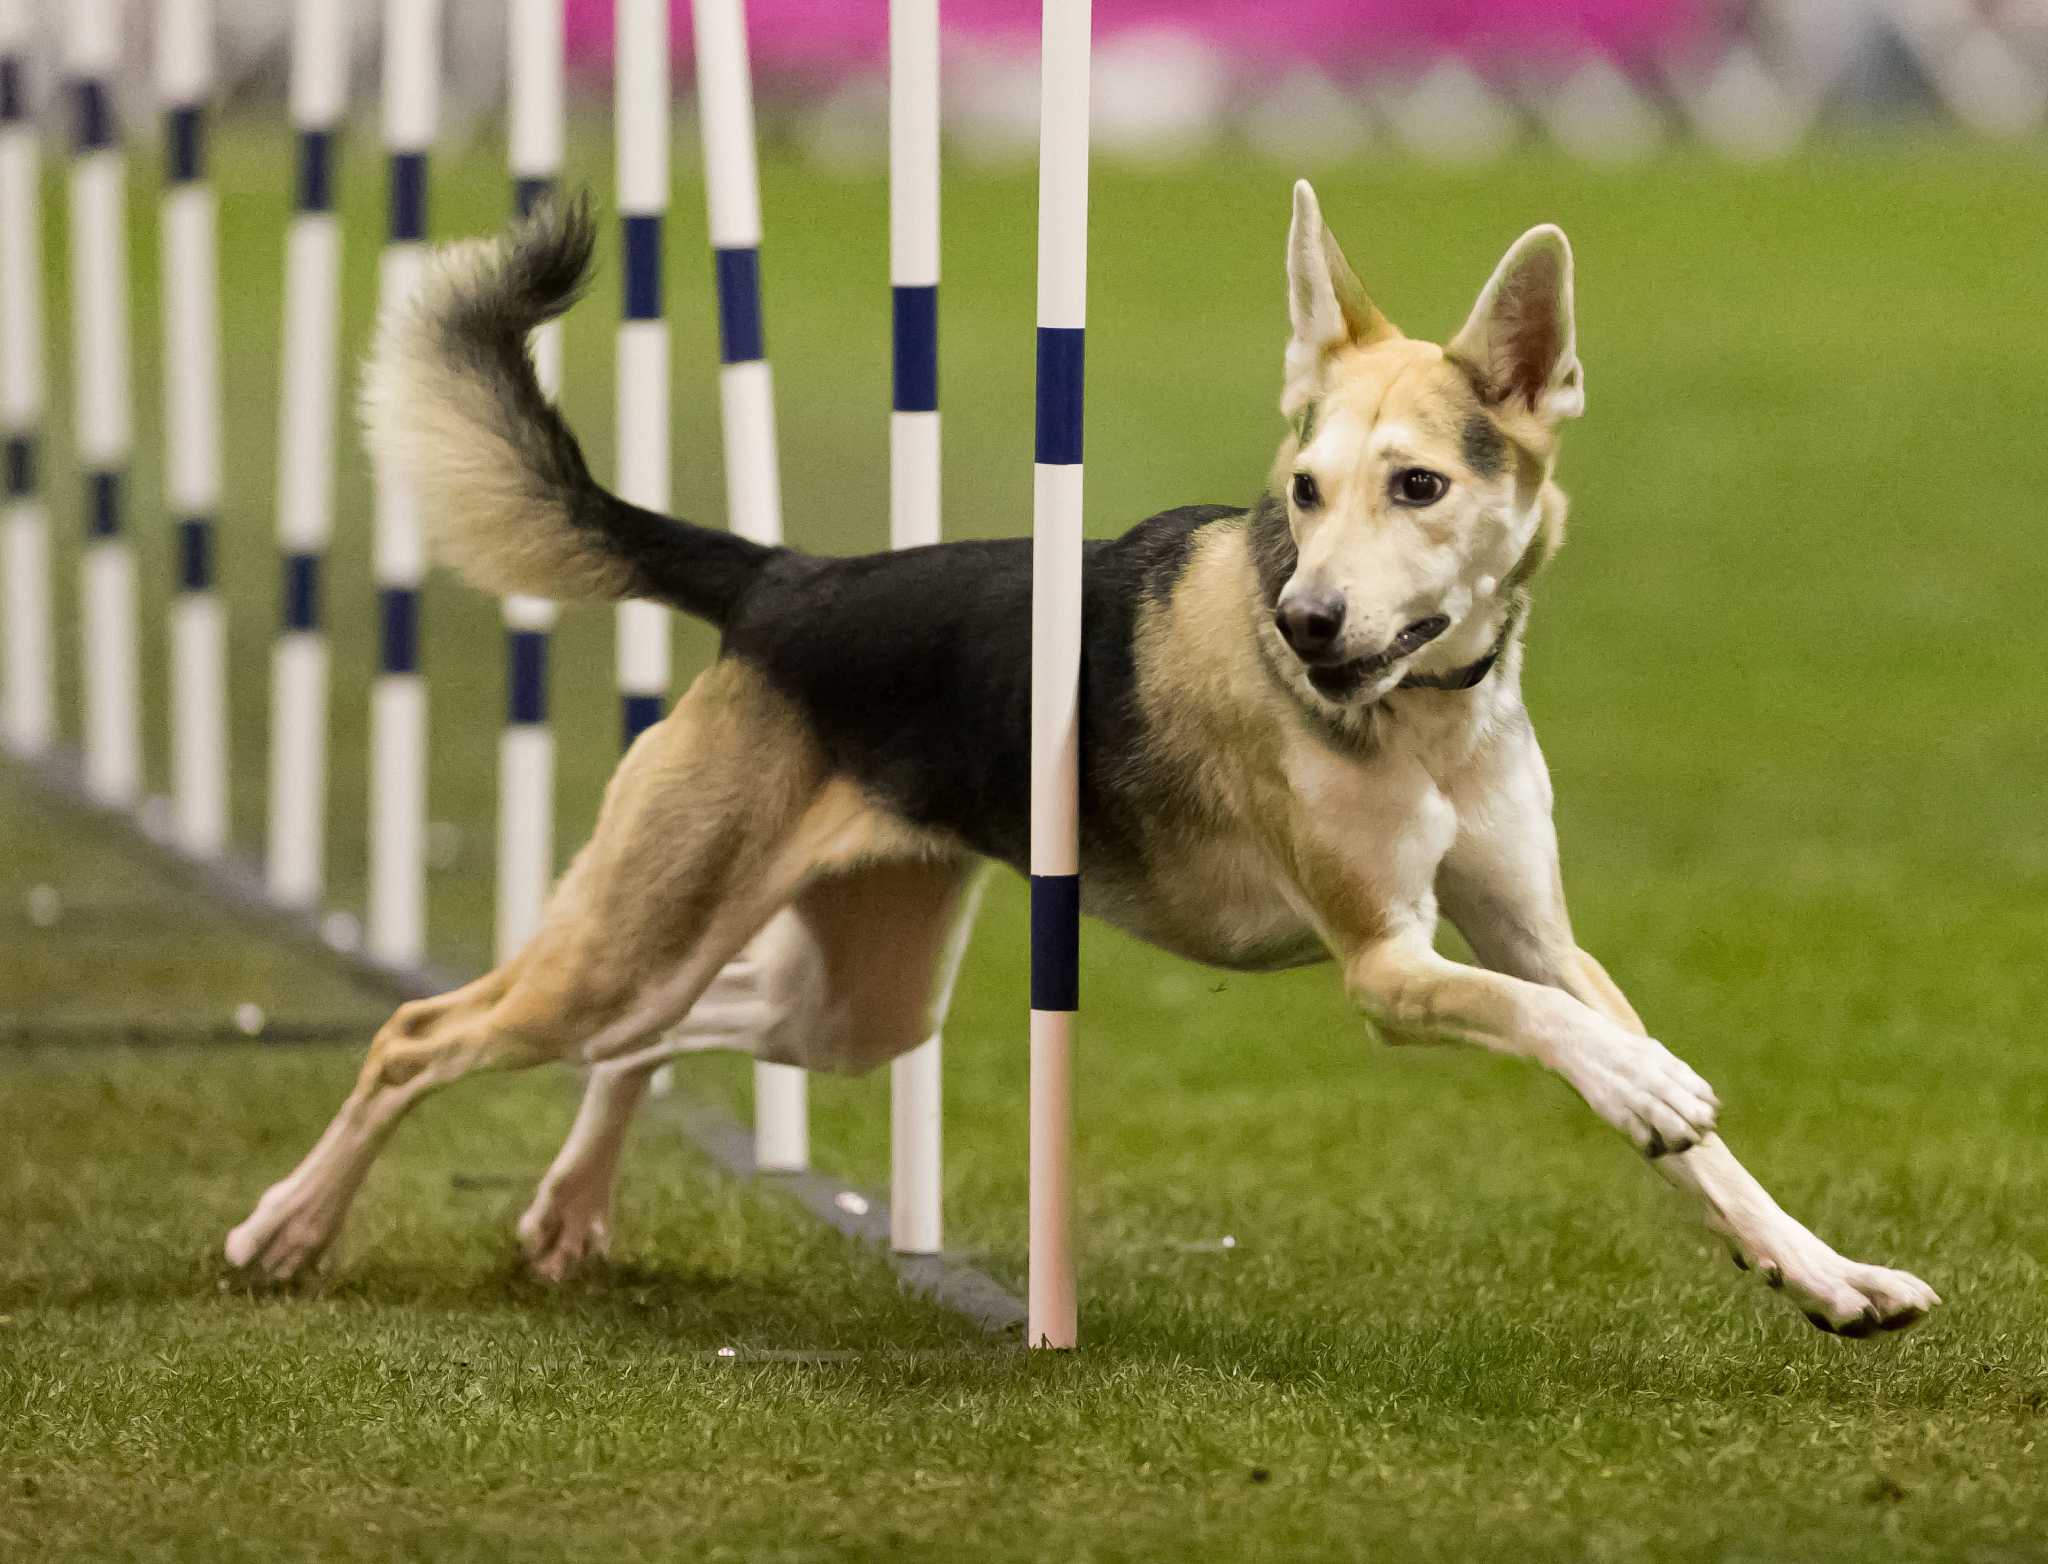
(1416, 479)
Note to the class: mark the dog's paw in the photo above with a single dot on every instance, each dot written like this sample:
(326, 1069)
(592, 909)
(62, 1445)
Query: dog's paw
(1846, 1297)
(290, 1229)
(563, 1229)
(1641, 1088)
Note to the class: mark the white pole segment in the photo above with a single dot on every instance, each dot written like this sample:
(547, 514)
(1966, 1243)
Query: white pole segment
(295, 860)
(1055, 856)
(28, 696)
(526, 749)
(916, 1219)
(99, 310)
(753, 487)
(395, 928)
(192, 434)
(641, 124)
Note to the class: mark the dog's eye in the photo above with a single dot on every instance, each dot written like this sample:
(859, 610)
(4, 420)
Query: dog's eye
(1418, 486)
(1307, 496)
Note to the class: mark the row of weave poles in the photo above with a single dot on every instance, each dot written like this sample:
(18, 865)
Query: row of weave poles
(394, 925)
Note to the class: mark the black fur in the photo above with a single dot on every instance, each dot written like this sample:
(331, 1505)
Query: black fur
(543, 271)
(1273, 550)
(1483, 446)
(914, 668)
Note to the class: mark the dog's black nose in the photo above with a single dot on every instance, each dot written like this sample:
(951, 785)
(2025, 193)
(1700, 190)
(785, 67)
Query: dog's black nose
(1309, 622)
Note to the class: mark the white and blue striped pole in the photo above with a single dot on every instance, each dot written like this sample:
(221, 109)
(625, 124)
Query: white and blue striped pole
(1055, 851)
(295, 858)
(526, 749)
(28, 697)
(191, 384)
(916, 1210)
(753, 485)
(395, 929)
(641, 125)
(104, 417)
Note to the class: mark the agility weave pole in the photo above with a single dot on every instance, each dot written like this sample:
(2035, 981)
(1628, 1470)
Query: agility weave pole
(916, 1197)
(746, 394)
(28, 685)
(1056, 518)
(296, 856)
(192, 437)
(395, 924)
(103, 412)
(526, 749)
(640, 118)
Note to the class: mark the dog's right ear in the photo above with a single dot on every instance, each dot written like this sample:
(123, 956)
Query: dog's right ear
(1326, 303)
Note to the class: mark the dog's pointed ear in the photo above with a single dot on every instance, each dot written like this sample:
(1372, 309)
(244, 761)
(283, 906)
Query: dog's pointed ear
(1326, 303)
(1521, 342)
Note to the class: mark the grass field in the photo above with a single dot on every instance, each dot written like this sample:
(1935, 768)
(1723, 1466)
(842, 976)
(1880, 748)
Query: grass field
(1787, 675)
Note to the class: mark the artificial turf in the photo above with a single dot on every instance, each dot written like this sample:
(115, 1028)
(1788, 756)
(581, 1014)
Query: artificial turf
(1785, 673)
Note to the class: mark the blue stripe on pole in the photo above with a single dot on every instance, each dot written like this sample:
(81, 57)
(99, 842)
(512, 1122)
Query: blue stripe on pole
(640, 238)
(19, 462)
(195, 554)
(13, 101)
(103, 504)
(398, 644)
(917, 349)
(639, 713)
(408, 197)
(185, 144)
(92, 128)
(739, 304)
(301, 610)
(316, 171)
(526, 676)
(1060, 358)
(529, 190)
(1055, 942)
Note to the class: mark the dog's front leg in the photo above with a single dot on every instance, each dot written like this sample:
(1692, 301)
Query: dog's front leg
(1413, 994)
(1501, 885)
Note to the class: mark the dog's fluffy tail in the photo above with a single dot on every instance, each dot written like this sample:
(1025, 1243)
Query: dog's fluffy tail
(452, 410)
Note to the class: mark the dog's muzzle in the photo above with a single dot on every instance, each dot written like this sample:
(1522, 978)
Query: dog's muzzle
(1339, 680)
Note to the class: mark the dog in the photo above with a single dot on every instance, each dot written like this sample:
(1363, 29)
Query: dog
(1302, 739)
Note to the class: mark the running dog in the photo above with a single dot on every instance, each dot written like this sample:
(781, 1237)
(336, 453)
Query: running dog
(1303, 739)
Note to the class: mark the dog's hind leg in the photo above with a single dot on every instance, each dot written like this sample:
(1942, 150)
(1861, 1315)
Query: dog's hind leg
(569, 1220)
(424, 1046)
(713, 822)
(859, 968)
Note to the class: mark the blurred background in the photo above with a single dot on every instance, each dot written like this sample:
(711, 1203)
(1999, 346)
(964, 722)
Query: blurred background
(1451, 80)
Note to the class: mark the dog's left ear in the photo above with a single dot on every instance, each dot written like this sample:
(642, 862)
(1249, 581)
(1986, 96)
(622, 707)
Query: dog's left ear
(1326, 303)
(1521, 342)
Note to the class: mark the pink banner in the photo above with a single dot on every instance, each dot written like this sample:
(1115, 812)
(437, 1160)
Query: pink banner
(830, 35)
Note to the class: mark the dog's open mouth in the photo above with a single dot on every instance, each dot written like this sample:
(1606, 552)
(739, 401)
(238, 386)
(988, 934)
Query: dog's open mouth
(1343, 681)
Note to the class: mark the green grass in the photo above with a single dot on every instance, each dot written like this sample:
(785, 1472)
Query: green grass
(1787, 677)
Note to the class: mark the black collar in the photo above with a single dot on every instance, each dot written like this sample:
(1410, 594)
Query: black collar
(1471, 674)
